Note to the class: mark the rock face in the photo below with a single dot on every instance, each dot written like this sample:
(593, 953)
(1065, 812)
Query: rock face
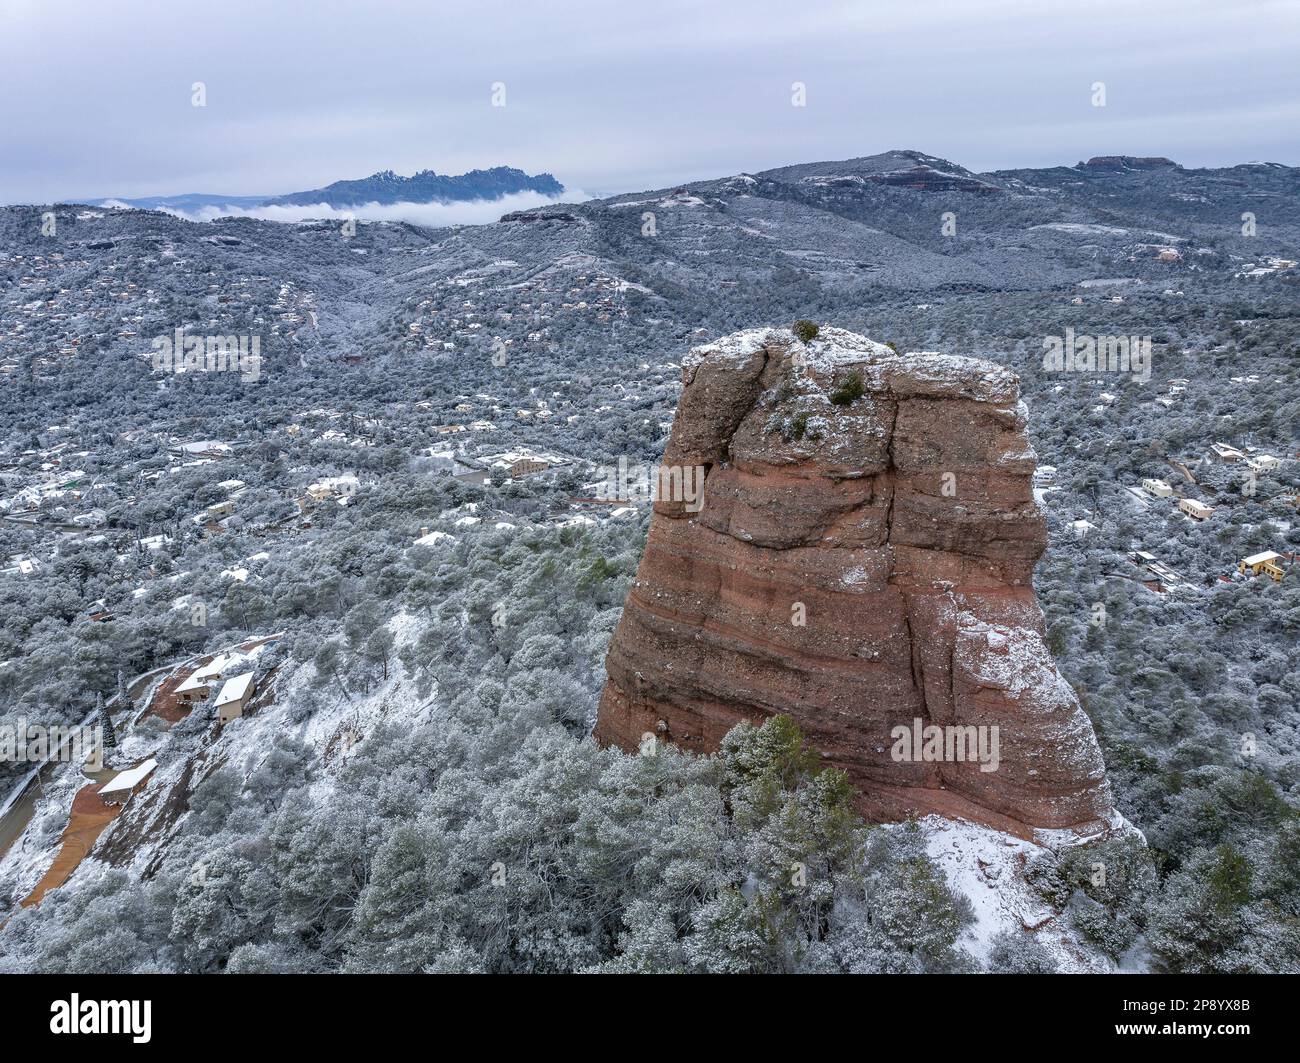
(861, 560)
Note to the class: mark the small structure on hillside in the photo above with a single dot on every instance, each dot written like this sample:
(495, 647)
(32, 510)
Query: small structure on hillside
(233, 698)
(428, 538)
(340, 487)
(522, 466)
(196, 688)
(1228, 454)
(199, 684)
(1269, 562)
(1164, 576)
(1157, 488)
(119, 789)
(1263, 463)
(1194, 509)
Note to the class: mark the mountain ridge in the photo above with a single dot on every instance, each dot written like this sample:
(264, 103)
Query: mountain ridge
(383, 187)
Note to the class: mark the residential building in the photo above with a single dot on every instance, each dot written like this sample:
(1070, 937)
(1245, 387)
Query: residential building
(1263, 463)
(119, 789)
(1194, 509)
(195, 689)
(1269, 562)
(333, 487)
(1162, 577)
(234, 697)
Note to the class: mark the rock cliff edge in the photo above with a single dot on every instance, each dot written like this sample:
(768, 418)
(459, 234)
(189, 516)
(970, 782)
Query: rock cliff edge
(860, 559)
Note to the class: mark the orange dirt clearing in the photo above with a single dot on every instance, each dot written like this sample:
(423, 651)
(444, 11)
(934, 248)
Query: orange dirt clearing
(90, 815)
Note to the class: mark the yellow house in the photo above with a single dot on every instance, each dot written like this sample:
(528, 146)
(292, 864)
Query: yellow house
(1269, 562)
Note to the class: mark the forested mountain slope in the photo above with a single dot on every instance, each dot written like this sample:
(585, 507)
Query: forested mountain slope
(427, 706)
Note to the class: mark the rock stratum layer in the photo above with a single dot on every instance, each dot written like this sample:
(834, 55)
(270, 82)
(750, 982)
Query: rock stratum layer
(861, 561)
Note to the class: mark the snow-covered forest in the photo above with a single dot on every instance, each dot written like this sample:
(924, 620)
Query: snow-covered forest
(416, 788)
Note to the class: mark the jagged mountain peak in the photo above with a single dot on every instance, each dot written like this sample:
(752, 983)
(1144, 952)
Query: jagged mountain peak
(425, 186)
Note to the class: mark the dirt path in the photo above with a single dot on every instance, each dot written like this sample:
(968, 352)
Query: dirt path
(90, 815)
(1182, 468)
(18, 814)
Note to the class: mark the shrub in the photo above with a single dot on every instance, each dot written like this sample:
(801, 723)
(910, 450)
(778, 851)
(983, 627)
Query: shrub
(849, 390)
(1014, 953)
(805, 330)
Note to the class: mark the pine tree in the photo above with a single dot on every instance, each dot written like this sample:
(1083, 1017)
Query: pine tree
(101, 714)
(123, 695)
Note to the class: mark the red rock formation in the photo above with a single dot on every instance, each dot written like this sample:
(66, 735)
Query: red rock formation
(862, 561)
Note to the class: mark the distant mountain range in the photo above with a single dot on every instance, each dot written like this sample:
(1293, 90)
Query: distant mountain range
(385, 187)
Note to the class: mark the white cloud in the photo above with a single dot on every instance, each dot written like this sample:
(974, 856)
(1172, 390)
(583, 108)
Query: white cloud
(431, 215)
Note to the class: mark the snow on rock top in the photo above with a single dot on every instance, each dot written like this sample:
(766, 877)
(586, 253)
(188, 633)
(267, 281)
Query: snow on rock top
(738, 347)
(916, 373)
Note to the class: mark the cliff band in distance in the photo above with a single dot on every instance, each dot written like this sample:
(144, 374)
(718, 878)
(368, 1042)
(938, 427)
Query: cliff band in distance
(862, 561)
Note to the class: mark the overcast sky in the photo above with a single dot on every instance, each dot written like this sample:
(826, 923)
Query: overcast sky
(95, 97)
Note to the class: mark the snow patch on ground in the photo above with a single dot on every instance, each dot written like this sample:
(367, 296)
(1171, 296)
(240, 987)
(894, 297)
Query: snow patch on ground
(1081, 229)
(987, 867)
(854, 577)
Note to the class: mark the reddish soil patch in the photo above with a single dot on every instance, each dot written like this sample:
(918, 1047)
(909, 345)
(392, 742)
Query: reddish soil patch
(165, 703)
(90, 815)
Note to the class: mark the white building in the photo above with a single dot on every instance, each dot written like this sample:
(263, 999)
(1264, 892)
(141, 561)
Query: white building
(340, 487)
(234, 697)
(118, 790)
(1226, 453)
